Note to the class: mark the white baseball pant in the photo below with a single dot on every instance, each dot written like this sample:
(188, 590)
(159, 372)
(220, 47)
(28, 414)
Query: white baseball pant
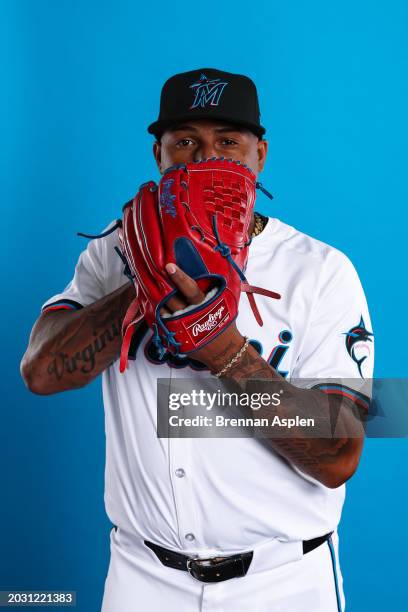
(280, 579)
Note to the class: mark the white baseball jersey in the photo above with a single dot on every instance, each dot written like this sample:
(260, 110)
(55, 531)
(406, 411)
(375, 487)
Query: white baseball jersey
(220, 496)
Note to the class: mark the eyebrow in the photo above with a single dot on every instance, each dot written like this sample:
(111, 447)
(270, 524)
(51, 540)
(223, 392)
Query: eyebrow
(219, 130)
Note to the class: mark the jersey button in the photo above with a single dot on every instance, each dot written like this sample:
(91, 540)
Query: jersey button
(190, 537)
(180, 473)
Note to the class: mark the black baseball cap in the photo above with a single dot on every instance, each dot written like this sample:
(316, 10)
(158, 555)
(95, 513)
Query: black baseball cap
(208, 93)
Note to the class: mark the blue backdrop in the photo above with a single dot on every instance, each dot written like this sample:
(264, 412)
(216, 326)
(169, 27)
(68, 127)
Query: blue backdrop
(80, 82)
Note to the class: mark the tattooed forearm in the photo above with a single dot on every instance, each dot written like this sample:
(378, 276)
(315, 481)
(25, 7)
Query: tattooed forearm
(221, 356)
(68, 349)
(85, 358)
(251, 365)
(331, 459)
(314, 456)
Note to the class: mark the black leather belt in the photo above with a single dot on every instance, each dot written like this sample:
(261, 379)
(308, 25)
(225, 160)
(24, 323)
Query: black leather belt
(217, 569)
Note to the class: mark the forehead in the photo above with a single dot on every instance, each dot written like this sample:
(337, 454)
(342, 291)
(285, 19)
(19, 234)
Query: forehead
(207, 127)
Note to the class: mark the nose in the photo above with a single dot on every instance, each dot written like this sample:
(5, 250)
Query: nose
(204, 151)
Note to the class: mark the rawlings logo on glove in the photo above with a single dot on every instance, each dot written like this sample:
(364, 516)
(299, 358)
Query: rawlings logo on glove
(213, 320)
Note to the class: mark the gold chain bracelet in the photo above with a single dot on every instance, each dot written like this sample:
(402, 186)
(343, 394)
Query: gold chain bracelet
(234, 359)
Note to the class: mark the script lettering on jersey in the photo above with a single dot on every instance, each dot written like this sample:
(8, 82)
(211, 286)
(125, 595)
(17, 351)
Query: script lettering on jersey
(279, 351)
(175, 361)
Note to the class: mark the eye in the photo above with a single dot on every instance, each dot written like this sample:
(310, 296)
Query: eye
(183, 143)
(227, 142)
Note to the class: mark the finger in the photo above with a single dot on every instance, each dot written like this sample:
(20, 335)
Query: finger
(176, 303)
(165, 311)
(185, 284)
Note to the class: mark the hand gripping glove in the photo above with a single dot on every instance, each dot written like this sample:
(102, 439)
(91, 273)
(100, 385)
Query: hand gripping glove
(198, 217)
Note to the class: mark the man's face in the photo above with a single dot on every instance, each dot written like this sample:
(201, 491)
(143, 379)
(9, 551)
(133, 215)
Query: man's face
(202, 139)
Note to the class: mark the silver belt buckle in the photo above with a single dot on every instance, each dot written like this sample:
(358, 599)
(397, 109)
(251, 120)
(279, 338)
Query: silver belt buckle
(189, 562)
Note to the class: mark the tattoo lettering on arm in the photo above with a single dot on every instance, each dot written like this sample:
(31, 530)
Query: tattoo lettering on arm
(69, 349)
(64, 362)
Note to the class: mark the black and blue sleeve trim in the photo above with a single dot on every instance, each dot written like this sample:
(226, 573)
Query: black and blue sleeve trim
(62, 305)
(336, 389)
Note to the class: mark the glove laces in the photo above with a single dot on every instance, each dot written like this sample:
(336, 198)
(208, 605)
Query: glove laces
(225, 251)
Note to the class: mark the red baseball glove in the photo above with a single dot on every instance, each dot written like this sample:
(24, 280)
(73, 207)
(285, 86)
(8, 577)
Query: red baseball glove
(198, 217)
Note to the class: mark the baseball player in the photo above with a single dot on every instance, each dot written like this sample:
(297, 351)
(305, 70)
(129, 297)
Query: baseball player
(210, 524)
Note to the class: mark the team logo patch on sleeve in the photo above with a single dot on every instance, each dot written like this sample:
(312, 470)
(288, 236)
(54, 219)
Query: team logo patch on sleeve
(358, 340)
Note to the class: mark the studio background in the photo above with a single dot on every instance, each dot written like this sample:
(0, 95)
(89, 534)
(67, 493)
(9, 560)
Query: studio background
(80, 83)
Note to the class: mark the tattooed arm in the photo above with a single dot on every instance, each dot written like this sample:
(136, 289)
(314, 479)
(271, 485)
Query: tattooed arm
(67, 350)
(330, 459)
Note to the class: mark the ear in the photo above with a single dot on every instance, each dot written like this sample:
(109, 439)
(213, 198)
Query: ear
(262, 153)
(157, 154)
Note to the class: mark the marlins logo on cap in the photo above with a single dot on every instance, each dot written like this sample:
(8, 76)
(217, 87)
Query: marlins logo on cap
(207, 91)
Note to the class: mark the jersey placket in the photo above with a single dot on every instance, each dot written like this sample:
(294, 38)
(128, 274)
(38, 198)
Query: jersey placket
(182, 482)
